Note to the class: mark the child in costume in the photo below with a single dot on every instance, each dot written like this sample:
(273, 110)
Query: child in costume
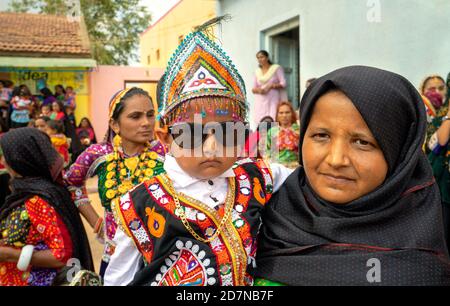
(21, 107)
(197, 223)
(60, 142)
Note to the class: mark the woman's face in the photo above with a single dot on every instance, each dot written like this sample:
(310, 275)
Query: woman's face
(285, 116)
(262, 59)
(136, 123)
(41, 125)
(55, 107)
(84, 124)
(341, 158)
(435, 84)
(58, 90)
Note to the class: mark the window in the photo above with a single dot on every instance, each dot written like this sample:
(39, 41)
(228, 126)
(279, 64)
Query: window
(157, 55)
(148, 59)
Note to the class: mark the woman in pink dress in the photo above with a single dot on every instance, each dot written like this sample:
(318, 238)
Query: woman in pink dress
(269, 87)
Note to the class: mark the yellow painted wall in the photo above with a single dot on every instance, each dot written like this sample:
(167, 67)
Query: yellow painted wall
(77, 79)
(165, 35)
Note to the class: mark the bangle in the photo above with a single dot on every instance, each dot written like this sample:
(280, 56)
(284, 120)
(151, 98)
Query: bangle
(82, 202)
(25, 257)
(98, 225)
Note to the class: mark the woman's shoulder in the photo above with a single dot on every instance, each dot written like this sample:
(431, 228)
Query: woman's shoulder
(95, 154)
(103, 147)
(276, 66)
(36, 203)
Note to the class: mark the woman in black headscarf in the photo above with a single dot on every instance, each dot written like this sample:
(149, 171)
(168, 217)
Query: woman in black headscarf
(364, 208)
(40, 226)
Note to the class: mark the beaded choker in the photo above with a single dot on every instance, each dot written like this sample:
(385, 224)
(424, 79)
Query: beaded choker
(123, 173)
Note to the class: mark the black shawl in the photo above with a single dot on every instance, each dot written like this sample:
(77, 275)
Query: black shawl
(305, 240)
(30, 153)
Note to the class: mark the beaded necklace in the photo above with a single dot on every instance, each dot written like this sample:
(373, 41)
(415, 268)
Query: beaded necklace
(122, 172)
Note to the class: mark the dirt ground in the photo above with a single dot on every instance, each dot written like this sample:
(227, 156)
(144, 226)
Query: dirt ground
(96, 247)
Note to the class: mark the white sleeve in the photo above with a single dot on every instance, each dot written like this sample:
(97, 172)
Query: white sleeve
(280, 173)
(124, 263)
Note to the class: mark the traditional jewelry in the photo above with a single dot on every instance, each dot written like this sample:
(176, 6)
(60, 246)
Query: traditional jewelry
(98, 225)
(229, 201)
(122, 172)
(25, 257)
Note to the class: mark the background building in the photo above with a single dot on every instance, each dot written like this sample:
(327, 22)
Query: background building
(160, 40)
(312, 37)
(45, 50)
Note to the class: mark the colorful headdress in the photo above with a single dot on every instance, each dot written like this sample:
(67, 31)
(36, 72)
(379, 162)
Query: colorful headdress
(115, 100)
(200, 68)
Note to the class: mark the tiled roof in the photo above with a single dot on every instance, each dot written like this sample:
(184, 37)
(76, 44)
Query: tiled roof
(45, 35)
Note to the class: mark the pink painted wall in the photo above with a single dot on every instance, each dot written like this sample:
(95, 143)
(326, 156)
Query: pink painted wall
(104, 82)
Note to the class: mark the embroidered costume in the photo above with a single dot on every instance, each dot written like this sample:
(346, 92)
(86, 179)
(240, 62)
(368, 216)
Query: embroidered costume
(117, 173)
(97, 160)
(39, 212)
(175, 229)
(61, 145)
(171, 256)
(37, 223)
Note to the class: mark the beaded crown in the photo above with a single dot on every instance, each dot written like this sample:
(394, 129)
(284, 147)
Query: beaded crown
(200, 68)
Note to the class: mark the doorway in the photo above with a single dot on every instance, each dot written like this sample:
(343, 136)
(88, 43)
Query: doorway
(283, 43)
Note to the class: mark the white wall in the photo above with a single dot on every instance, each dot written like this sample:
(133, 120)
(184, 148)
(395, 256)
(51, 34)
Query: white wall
(412, 37)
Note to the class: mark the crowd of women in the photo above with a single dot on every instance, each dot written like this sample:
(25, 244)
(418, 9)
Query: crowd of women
(365, 188)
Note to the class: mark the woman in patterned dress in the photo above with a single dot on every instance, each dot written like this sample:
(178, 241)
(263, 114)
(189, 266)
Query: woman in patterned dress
(128, 155)
(39, 225)
(282, 140)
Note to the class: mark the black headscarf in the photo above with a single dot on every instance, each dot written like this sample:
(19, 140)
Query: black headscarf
(306, 240)
(30, 153)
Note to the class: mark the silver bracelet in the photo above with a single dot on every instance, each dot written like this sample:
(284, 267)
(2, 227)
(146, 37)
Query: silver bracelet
(25, 257)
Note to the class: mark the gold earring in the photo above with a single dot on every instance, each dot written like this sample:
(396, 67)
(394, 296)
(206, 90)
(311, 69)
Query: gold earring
(117, 141)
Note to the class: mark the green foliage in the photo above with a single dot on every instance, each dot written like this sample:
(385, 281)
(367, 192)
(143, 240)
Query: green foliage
(113, 25)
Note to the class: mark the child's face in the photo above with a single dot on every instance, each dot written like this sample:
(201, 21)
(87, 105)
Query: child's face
(209, 159)
(50, 131)
(45, 110)
(55, 107)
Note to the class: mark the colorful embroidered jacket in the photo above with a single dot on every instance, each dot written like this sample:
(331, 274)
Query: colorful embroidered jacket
(93, 162)
(172, 256)
(61, 144)
(36, 223)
